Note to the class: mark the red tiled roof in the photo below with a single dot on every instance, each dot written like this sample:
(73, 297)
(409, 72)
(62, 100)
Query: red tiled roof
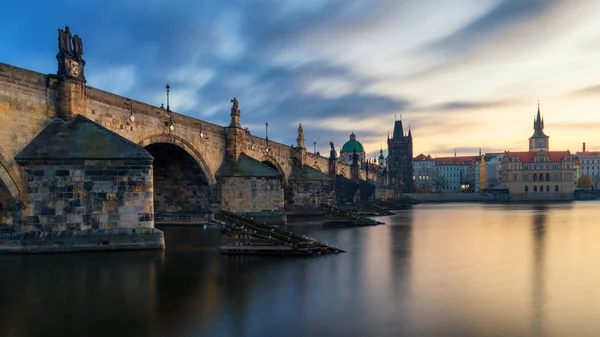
(423, 157)
(528, 157)
(589, 153)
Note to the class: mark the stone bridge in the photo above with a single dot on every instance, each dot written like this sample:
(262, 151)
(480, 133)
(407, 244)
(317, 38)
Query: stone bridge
(66, 152)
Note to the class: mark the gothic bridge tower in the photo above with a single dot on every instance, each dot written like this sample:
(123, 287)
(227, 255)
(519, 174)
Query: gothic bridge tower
(400, 157)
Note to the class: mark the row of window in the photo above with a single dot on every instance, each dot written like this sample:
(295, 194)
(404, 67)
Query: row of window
(541, 189)
(590, 161)
(536, 177)
(539, 166)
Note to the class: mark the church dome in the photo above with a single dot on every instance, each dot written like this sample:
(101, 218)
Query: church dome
(352, 145)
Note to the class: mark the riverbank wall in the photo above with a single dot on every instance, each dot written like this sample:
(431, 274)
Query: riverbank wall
(84, 240)
(450, 197)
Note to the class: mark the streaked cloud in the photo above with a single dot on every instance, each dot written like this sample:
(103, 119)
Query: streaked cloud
(461, 73)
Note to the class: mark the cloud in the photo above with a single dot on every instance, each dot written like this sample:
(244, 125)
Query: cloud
(462, 106)
(335, 66)
(581, 126)
(501, 20)
(587, 91)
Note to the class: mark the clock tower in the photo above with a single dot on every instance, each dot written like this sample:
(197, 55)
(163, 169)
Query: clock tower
(70, 77)
(539, 141)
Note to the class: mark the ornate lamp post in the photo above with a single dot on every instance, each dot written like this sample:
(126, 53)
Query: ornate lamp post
(267, 135)
(171, 126)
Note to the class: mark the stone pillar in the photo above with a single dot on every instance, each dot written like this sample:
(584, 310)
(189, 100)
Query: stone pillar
(332, 162)
(234, 142)
(235, 135)
(354, 174)
(71, 98)
(300, 149)
(235, 114)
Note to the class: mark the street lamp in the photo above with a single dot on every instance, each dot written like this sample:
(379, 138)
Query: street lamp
(168, 87)
(171, 126)
(314, 147)
(267, 131)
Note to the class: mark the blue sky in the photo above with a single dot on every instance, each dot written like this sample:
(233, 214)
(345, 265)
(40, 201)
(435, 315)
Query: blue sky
(465, 74)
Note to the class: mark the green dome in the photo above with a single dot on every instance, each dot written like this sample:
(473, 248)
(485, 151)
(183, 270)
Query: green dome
(352, 145)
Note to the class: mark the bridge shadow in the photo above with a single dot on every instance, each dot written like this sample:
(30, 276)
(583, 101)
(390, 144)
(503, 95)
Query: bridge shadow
(181, 188)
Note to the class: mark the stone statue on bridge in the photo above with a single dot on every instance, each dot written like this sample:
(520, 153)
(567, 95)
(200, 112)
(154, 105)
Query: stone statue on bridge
(234, 106)
(64, 40)
(332, 153)
(77, 47)
(300, 130)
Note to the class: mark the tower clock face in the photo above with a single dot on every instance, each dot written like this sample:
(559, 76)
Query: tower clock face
(73, 68)
(540, 144)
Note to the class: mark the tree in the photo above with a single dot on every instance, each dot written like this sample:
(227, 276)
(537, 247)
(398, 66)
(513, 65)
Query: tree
(585, 181)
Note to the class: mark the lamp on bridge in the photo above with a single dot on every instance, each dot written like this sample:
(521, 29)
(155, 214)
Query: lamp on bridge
(131, 117)
(171, 124)
(267, 136)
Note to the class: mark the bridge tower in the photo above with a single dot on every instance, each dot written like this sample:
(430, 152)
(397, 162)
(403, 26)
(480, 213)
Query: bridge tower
(70, 79)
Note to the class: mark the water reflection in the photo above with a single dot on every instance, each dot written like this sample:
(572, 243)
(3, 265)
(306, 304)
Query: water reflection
(538, 228)
(435, 270)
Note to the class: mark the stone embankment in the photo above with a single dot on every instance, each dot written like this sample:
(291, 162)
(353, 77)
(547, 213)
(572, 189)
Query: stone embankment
(83, 240)
(451, 197)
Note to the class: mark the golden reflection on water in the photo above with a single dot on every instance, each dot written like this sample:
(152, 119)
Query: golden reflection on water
(434, 270)
(510, 269)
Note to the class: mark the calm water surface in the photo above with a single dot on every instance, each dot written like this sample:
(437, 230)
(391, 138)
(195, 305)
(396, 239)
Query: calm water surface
(435, 270)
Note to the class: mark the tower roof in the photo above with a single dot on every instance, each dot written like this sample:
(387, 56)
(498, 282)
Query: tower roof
(398, 131)
(538, 125)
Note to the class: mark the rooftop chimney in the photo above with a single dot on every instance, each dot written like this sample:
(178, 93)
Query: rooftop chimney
(583, 146)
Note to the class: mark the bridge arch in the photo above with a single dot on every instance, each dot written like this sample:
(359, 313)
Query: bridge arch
(274, 164)
(10, 191)
(184, 187)
(185, 145)
(345, 173)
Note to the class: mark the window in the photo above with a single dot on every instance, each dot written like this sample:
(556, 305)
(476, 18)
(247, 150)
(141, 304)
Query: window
(547, 176)
(556, 177)
(548, 188)
(515, 177)
(527, 189)
(535, 177)
(541, 177)
(535, 188)
(541, 188)
(556, 188)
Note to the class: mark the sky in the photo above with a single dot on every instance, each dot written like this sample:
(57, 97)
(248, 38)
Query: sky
(464, 74)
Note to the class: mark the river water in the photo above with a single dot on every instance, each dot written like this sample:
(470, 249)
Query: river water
(434, 270)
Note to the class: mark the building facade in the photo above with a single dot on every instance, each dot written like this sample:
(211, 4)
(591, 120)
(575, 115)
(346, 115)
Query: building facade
(589, 165)
(424, 172)
(538, 174)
